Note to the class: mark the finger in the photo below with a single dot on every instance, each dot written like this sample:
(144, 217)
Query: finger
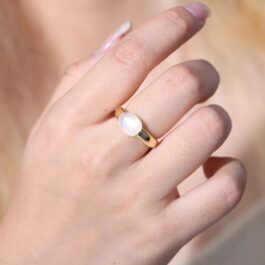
(163, 103)
(184, 149)
(201, 207)
(76, 71)
(121, 72)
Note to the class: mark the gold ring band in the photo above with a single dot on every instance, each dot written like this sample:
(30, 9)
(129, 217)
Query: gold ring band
(132, 126)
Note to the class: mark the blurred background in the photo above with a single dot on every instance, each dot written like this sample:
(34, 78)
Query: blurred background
(233, 41)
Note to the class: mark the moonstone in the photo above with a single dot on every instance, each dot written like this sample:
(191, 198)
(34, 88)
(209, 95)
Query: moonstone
(130, 123)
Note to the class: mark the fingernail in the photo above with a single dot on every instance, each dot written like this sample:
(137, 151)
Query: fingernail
(199, 10)
(120, 32)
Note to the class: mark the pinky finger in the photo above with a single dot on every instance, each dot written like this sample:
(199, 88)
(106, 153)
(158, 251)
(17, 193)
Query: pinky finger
(209, 202)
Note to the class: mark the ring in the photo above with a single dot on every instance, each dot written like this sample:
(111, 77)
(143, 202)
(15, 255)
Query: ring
(132, 126)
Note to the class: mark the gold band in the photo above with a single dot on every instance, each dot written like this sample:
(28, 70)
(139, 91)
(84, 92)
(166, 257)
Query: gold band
(144, 136)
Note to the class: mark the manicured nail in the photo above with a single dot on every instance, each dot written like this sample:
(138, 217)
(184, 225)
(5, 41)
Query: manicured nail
(199, 10)
(120, 32)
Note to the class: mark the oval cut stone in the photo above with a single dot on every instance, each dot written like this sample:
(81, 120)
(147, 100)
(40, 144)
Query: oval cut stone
(130, 123)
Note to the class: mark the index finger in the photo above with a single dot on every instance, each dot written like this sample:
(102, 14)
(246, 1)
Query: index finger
(118, 75)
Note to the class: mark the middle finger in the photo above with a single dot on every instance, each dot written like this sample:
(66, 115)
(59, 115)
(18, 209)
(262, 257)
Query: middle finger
(118, 75)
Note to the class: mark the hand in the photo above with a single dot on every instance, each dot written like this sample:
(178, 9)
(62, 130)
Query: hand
(88, 194)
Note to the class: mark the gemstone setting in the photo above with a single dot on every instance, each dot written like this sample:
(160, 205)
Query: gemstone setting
(130, 123)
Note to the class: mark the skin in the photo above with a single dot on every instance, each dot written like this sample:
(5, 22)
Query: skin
(88, 194)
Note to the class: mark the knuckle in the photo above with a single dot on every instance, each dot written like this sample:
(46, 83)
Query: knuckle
(179, 19)
(184, 78)
(210, 72)
(149, 237)
(234, 187)
(198, 79)
(205, 63)
(210, 67)
(132, 52)
(97, 164)
(103, 163)
(72, 71)
(216, 122)
(58, 126)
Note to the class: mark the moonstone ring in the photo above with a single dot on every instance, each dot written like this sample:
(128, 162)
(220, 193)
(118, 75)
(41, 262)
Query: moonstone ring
(132, 126)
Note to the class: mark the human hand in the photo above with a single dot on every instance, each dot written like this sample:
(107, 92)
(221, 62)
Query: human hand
(88, 194)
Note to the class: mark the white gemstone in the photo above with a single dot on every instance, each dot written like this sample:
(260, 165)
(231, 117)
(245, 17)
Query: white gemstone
(130, 123)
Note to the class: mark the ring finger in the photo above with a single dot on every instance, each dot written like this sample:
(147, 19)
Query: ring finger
(163, 103)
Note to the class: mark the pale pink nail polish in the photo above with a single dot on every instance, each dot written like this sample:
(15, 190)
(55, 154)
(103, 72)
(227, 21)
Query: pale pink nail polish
(120, 32)
(199, 10)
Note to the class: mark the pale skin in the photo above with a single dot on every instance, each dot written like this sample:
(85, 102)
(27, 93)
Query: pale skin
(88, 194)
